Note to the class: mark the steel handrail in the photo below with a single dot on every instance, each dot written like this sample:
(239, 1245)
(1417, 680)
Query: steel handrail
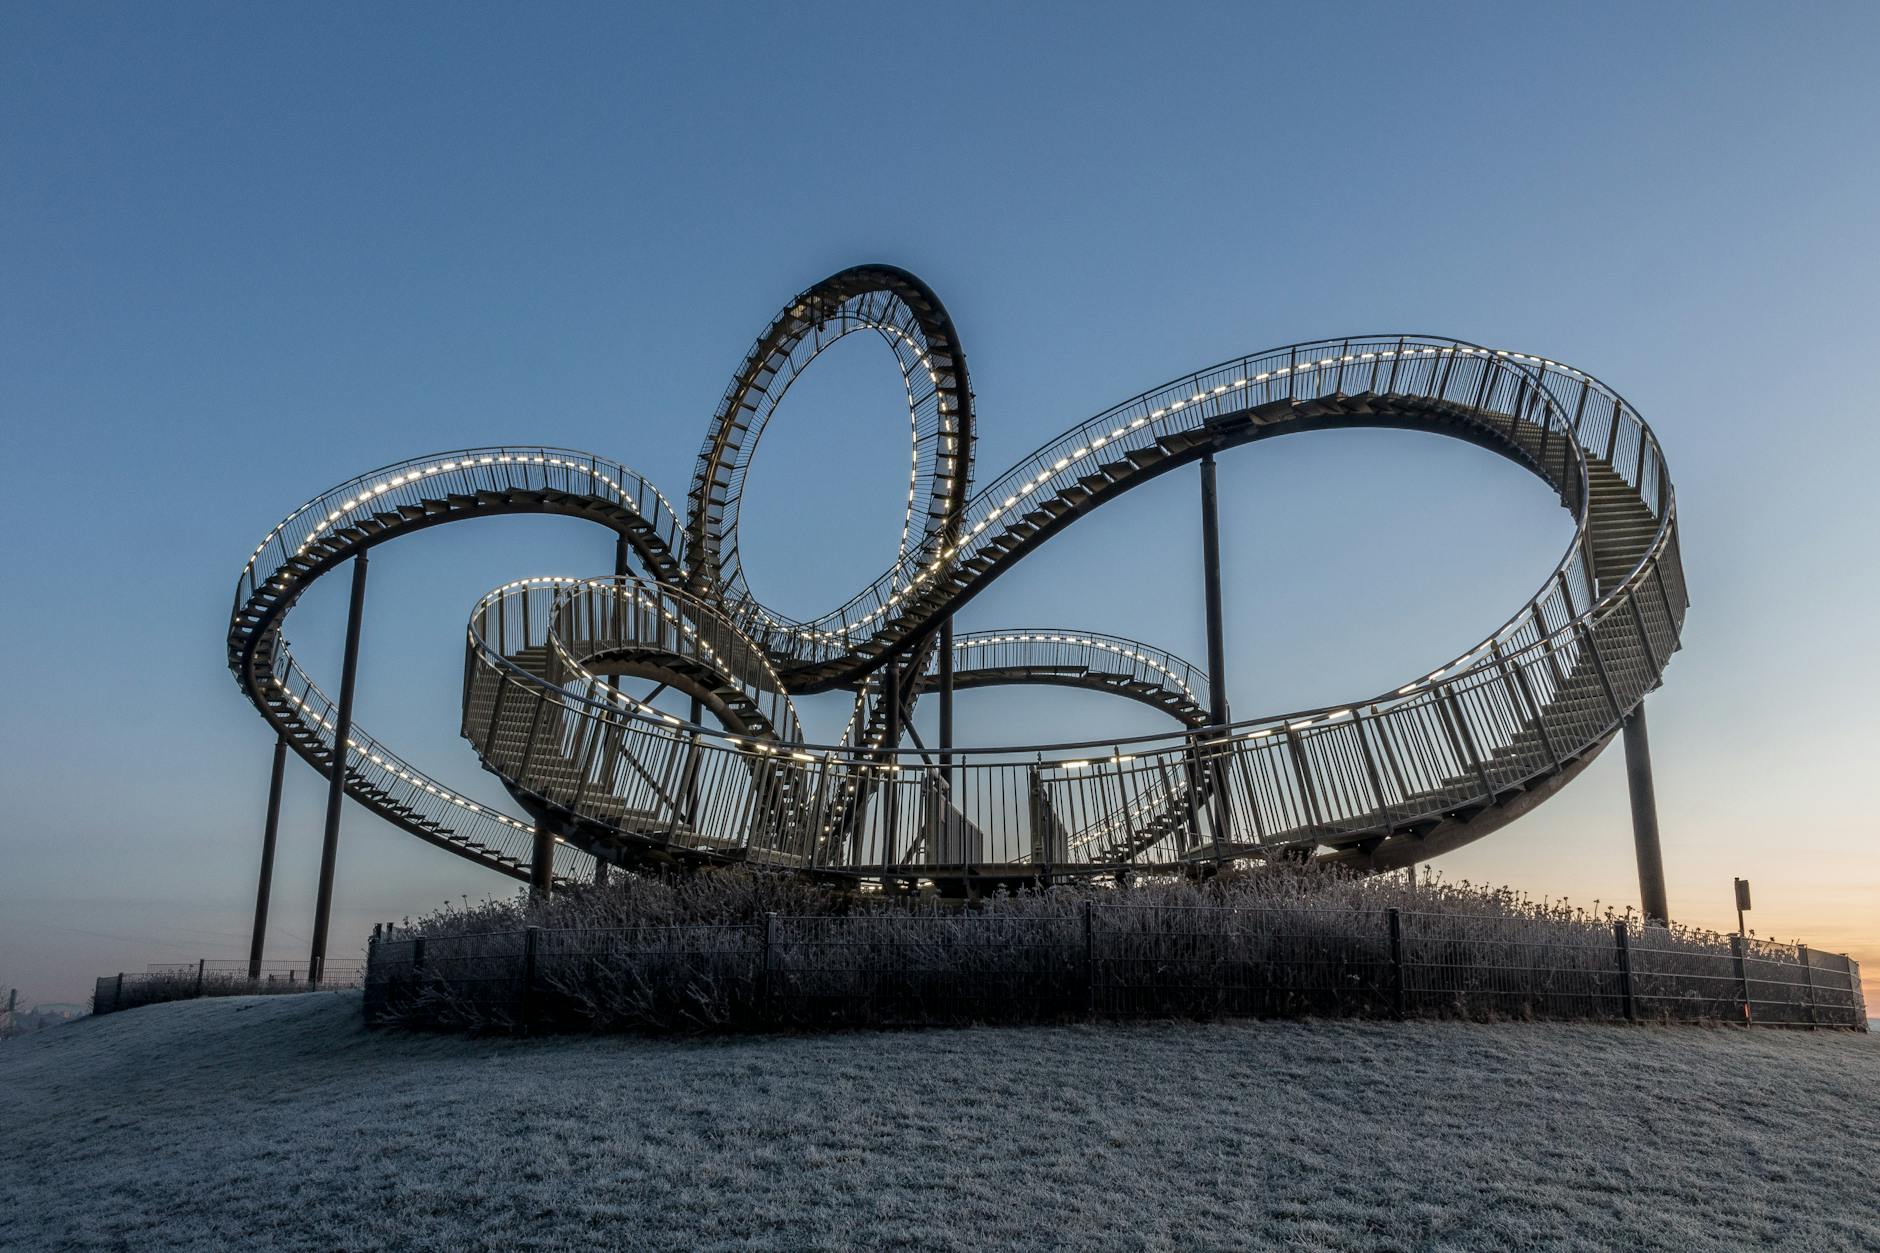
(1532, 700)
(1141, 411)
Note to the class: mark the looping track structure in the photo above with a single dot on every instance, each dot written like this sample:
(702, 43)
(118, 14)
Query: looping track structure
(1379, 781)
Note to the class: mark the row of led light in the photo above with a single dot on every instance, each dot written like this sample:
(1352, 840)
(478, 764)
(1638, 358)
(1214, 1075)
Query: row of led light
(806, 757)
(898, 590)
(416, 474)
(1282, 371)
(655, 603)
(689, 629)
(913, 422)
(1025, 489)
(444, 466)
(1258, 379)
(988, 641)
(1110, 825)
(396, 768)
(946, 443)
(1095, 444)
(413, 476)
(913, 481)
(1335, 716)
(562, 581)
(1146, 799)
(926, 362)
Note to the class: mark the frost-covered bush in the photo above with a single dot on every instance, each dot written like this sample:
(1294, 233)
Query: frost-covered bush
(731, 949)
(183, 984)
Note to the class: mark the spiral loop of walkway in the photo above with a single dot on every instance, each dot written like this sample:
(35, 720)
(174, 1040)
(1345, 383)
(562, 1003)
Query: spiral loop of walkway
(1383, 780)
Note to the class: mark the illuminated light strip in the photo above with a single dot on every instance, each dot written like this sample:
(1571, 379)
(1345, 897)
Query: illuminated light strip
(406, 477)
(897, 589)
(380, 489)
(398, 770)
(854, 323)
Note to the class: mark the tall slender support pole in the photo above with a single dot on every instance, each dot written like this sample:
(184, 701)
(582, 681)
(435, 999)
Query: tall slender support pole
(946, 699)
(1211, 572)
(891, 740)
(542, 862)
(697, 712)
(1217, 644)
(1651, 862)
(621, 569)
(891, 697)
(620, 587)
(259, 937)
(336, 776)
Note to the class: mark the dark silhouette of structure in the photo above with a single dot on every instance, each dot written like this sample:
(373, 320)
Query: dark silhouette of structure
(1381, 782)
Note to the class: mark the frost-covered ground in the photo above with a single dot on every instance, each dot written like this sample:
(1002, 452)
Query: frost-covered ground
(280, 1122)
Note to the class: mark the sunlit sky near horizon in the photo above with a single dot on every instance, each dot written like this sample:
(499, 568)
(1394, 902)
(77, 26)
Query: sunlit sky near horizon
(248, 252)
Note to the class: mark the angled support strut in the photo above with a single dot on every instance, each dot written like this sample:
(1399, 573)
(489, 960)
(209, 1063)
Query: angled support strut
(258, 939)
(336, 775)
(1651, 861)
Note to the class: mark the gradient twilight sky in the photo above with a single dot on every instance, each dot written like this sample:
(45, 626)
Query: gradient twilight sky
(249, 251)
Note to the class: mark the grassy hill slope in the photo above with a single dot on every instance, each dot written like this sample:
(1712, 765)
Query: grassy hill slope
(280, 1121)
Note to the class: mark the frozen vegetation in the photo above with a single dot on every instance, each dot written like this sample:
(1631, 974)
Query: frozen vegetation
(731, 950)
(281, 1122)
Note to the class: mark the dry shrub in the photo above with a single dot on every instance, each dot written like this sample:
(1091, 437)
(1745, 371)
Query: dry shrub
(732, 949)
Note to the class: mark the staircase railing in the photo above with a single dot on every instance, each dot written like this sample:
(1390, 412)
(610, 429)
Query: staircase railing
(1532, 700)
(498, 469)
(1446, 743)
(1573, 404)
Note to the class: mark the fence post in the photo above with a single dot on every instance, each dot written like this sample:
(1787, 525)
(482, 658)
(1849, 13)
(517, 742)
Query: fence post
(531, 939)
(1396, 963)
(1808, 984)
(200, 963)
(1090, 959)
(1622, 940)
(1737, 959)
(764, 1014)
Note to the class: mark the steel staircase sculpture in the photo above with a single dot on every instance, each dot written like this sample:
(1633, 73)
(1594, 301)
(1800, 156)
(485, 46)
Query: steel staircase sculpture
(1379, 782)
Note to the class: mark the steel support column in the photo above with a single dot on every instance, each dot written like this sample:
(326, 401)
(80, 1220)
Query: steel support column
(621, 571)
(694, 763)
(336, 774)
(1211, 573)
(259, 937)
(1651, 862)
(1217, 644)
(542, 862)
(946, 699)
(891, 800)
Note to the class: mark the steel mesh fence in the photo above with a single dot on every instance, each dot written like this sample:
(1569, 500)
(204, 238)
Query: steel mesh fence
(1093, 961)
(185, 981)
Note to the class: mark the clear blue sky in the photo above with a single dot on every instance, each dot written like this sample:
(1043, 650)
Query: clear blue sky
(248, 251)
